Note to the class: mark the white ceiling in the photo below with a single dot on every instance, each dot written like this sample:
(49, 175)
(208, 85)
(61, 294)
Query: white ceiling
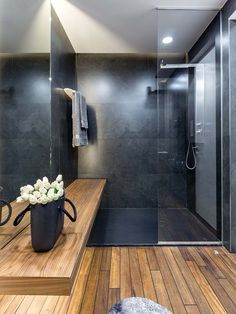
(24, 26)
(130, 26)
(105, 26)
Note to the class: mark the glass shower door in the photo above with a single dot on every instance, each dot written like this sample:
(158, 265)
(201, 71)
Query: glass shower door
(188, 128)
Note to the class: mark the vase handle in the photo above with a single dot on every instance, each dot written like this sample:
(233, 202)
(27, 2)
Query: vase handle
(5, 203)
(21, 215)
(74, 210)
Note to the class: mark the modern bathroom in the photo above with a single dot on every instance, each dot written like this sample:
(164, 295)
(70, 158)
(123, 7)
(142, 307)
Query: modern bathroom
(117, 155)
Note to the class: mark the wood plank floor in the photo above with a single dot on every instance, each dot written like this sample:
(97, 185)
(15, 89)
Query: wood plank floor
(183, 279)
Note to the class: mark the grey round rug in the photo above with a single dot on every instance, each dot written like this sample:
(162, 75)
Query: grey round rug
(138, 306)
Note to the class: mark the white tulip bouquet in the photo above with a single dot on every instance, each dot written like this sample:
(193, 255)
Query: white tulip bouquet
(42, 192)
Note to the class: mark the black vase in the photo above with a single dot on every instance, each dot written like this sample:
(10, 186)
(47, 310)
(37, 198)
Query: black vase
(47, 222)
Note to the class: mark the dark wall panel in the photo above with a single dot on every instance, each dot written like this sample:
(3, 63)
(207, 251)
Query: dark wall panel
(122, 127)
(24, 121)
(128, 132)
(135, 142)
(229, 118)
(63, 74)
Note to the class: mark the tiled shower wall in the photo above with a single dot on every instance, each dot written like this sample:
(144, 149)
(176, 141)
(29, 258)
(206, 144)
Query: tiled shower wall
(128, 130)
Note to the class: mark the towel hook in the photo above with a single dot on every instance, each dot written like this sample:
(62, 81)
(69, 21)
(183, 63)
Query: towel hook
(69, 92)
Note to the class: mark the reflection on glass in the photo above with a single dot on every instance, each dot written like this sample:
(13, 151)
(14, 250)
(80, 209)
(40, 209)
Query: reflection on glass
(24, 99)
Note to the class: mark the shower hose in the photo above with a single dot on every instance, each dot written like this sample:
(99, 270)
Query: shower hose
(192, 148)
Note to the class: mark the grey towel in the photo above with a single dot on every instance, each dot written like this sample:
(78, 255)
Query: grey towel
(80, 135)
(83, 113)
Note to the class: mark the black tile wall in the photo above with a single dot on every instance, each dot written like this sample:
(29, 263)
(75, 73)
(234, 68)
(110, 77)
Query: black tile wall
(228, 119)
(122, 127)
(24, 121)
(136, 142)
(127, 129)
(233, 133)
(63, 74)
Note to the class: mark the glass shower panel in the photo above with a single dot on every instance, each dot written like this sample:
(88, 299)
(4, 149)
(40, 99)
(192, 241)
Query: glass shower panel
(188, 126)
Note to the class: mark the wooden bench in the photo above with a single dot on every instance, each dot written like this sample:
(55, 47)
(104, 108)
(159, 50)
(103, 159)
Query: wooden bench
(25, 272)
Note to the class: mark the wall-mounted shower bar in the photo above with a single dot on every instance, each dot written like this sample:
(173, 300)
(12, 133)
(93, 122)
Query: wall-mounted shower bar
(187, 8)
(180, 66)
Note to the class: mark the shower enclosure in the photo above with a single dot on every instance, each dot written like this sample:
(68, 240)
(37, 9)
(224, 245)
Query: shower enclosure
(189, 126)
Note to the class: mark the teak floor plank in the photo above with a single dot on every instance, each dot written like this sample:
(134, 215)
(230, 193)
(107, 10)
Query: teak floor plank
(24, 305)
(106, 259)
(218, 289)
(178, 277)
(92, 284)
(172, 290)
(226, 271)
(136, 280)
(231, 291)
(23, 271)
(196, 256)
(80, 285)
(192, 309)
(125, 278)
(162, 295)
(115, 268)
(102, 293)
(113, 297)
(152, 259)
(148, 287)
(196, 291)
(211, 297)
(91, 293)
(211, 264)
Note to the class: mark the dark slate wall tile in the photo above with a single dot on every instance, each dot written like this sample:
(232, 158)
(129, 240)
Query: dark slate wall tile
(228, 119)
(138, 191)
(106, 78)
(25, 95)
(125, 146)
(232, 63)
(129, 119)
(120, 157)
(24, 121)
(172, 191)
(171, 155)
(63, 73)
(25, 156)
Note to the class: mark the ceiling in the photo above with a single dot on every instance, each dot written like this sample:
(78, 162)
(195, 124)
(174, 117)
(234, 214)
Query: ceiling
(24, 26)
(130, 26)
(106, 26)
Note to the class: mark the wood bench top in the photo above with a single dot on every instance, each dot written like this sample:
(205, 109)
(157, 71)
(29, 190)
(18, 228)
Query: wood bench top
(23, 271)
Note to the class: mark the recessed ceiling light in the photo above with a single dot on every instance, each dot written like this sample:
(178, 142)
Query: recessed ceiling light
(167, 40)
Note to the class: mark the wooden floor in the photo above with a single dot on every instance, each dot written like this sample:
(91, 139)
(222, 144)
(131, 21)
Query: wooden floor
(185, 280)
